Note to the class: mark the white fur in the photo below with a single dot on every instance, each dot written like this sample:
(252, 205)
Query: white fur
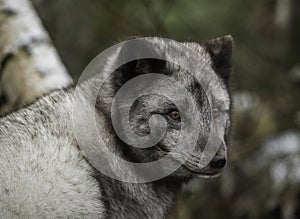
(44, 182)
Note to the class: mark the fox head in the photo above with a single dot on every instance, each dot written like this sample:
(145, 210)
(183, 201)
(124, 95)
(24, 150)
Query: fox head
(184, 63)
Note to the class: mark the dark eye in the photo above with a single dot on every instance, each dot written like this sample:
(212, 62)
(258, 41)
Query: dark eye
(216, 113)
(175, 115)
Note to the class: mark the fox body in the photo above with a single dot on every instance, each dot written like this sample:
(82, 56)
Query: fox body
(44, 174)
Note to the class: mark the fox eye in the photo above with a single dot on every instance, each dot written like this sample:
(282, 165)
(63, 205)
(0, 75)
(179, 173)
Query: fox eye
(215, 113)
(175, 115)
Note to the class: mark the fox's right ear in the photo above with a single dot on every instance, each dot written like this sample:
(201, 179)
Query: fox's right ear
(137, 56)
(220, 51)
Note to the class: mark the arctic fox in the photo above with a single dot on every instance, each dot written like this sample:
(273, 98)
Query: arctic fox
(45, 174)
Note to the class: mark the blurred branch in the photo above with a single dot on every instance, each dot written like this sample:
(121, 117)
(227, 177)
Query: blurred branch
(30, 66)
(121, 18)
(283, 14)
(153, 16)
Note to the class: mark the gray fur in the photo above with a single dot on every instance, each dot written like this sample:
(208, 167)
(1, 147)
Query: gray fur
(43, 173)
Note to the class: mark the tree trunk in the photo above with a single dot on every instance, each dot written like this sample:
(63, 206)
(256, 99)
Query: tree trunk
(29, 64)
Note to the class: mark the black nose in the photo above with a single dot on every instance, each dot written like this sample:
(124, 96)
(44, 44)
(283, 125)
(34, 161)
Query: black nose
(218, 162)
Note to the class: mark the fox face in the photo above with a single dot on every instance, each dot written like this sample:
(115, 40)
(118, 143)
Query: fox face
(211, 66)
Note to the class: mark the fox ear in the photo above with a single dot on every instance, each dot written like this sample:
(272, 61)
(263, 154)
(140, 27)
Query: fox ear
(220, 51)
(131, 65)
(130, 54)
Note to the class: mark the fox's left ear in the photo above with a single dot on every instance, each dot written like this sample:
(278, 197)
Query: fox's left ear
(220, 50)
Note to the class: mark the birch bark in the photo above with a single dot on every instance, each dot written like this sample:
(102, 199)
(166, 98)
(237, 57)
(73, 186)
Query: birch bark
(29, 64)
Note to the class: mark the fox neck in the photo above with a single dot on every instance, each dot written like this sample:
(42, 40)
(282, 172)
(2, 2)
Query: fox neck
(145, 200)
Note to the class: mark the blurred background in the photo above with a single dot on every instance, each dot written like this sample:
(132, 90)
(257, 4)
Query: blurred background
(262, 179)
